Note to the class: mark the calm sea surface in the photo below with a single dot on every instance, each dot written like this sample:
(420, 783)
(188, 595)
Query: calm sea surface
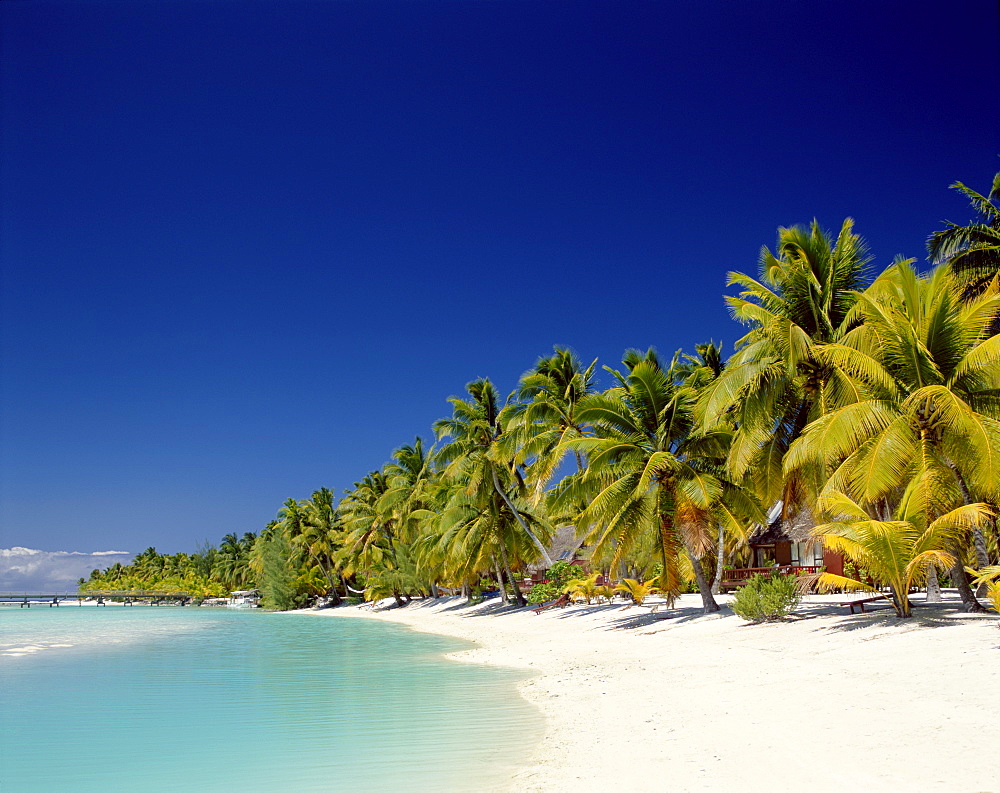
(185, 699)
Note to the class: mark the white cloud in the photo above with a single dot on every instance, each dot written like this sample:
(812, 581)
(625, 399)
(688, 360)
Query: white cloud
(31, 570)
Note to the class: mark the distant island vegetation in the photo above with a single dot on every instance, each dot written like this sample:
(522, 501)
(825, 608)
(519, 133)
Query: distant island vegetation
(865, 402)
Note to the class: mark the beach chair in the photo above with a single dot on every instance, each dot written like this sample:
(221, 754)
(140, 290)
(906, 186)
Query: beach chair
(560, 603)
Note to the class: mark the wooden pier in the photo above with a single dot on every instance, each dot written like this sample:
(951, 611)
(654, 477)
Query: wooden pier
(129, 597)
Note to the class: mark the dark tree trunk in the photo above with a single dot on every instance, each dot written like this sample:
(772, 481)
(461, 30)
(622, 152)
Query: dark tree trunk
(960, 579)
(518, 597)
(500, 582)
(707, 599)
(982, 556)
(333, 583)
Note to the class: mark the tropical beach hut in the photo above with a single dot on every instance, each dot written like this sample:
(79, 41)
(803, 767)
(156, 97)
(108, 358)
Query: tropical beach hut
(785, 544)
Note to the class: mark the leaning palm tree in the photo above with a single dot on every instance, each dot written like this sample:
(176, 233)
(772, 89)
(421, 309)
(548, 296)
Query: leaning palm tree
(476, 450)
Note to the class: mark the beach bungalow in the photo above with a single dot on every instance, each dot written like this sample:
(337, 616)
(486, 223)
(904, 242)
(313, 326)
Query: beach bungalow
(785, 543)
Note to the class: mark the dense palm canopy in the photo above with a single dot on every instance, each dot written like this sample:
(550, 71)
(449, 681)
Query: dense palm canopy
(546, 414)
(651, 472)
(774, 384)
(930, 375)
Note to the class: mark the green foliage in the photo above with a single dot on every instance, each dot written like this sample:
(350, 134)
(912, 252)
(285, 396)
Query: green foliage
(277, 585)
(559, 575)
(993, 594)
(767, 598)
(898, 552)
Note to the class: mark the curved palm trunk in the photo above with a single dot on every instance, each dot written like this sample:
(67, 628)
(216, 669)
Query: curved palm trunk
(515, 589)
(961, 581)
(707, 599)
(500, 580)
(720, 561)
(330, 580)
(982, 556)
(517, 515)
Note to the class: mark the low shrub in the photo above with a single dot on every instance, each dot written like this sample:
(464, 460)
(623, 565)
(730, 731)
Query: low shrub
(558, 576)
(767, 598)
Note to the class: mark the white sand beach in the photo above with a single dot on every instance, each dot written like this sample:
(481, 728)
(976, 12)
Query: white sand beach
(677, 701)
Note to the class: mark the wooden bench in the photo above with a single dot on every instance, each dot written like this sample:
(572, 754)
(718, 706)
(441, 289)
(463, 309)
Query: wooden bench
(860, 604)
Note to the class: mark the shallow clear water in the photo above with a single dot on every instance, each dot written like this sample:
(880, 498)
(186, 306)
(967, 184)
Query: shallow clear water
(184, 699)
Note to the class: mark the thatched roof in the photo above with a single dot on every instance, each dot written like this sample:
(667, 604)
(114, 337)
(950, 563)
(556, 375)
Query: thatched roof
(564, 545)
(792, 528)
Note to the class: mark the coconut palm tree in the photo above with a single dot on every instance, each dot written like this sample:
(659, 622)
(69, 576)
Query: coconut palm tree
(546, 414)
(899, 552)
(475, 449)
(227, 561)
(650, 473)
(477, 457)
(929, 422)
(369, 539)
(774, 384)
(318, 537)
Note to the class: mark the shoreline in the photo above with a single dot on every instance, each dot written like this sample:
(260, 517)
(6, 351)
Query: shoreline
(710, 703)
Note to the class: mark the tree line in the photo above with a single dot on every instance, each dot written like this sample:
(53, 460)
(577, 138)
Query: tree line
(865, 402)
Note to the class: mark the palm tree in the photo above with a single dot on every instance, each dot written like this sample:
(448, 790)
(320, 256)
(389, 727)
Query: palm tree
(318, 536)
(928, 425)
(546, 413)
(369, 538)
(774, 384)
(478, 458)
(475, 429)
(899, 552)
(227, 561)
(650, 473)
(971, 251)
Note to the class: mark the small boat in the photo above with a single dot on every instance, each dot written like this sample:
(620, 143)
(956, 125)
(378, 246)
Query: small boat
(244, 599)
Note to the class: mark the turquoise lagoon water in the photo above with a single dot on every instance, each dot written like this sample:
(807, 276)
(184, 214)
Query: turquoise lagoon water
(184, 699)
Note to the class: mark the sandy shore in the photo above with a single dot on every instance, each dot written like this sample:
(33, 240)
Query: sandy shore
(680, 702)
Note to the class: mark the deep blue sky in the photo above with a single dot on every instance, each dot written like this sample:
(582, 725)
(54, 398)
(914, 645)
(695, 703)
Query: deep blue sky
(248, 248)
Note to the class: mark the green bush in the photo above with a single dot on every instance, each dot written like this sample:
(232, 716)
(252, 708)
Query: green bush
(767, 598)
(558, 576)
